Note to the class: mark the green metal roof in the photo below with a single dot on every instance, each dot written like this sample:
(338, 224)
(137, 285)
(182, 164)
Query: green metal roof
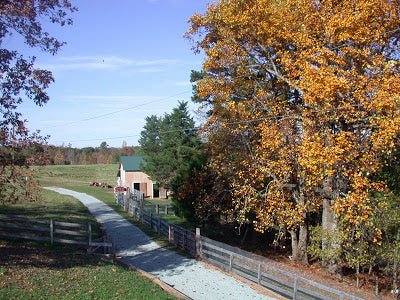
(132, 163)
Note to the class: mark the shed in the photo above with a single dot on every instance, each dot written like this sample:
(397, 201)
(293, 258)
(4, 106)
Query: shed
(130, 175)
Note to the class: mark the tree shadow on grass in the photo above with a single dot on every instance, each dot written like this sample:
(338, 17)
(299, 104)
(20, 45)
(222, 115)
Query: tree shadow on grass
(41, 255)
(62, 212)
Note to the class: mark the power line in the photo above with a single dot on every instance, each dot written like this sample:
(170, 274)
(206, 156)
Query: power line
(119, 111)
(281, 117)
(178, 130)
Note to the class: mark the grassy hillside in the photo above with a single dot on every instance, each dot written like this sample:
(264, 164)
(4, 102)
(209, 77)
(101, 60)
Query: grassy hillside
(31, 270)
(77, 175)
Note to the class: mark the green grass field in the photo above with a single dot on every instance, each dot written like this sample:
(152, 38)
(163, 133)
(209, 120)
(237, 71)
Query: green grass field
(34, 271)
(51, 205)
(30, 270)
(79, 177)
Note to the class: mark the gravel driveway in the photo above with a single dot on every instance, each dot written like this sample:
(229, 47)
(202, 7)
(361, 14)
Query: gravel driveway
(190, 277)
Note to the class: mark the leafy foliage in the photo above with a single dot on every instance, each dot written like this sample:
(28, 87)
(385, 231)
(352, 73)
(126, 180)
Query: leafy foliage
(172, 151)
(167, 144)
(304, 109)
(20, 79)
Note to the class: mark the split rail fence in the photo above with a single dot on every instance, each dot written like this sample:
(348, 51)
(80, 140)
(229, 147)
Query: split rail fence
(54, 232)
(232, 259)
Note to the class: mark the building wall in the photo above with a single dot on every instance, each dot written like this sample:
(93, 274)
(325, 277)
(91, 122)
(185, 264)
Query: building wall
(146, 184)
(139, 177)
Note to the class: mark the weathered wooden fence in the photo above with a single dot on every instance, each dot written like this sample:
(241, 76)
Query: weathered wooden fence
(54, 232)
(177, 235)
(257, 269)
(160, 209)
(232, 259)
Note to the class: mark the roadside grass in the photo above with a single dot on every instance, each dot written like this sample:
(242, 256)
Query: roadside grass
(52, 205)
(158, 201)
(34, 271)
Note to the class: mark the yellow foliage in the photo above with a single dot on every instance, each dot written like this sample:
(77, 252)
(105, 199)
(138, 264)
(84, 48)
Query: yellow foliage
(303, 93)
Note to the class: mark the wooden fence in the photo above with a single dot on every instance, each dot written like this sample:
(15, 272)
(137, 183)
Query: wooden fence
(53, 232)
(160, 209)
(232, 259)
(257, 269)
(177, 235)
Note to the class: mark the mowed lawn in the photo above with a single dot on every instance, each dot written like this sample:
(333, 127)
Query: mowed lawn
(30, 270)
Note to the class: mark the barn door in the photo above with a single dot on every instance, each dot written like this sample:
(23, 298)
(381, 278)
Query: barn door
(143, 188)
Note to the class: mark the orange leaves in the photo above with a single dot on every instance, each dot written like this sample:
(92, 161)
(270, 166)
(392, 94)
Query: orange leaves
(306, 102)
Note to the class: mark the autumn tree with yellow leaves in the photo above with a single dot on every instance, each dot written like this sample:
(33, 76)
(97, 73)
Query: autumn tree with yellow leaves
(303, 99)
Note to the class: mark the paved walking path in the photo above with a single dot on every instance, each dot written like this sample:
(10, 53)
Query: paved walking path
(186, 275)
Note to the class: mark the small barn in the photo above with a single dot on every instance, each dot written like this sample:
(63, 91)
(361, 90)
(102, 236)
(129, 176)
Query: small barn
(130, 175)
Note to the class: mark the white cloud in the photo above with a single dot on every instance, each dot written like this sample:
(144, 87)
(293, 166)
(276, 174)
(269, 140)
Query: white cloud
(109, 63)
(103, 104)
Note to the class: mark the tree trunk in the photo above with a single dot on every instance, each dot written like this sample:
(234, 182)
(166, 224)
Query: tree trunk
(295, 243)
(329, 221)
(299, 244)
(396, 265)
(329, 224)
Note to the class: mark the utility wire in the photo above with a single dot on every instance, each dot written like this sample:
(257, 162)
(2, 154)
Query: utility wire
(119, 111)
(183, 129)
(222, 123)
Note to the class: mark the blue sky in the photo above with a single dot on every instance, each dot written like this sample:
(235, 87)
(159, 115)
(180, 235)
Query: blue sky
(124, 60)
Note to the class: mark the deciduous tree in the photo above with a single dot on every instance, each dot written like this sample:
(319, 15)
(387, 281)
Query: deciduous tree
(307, 91)
(21, 80)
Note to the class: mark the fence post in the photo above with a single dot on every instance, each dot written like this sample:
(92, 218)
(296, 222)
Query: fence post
(157, 209)
(151, 221)
(166, 209)
(159, 224)
(198, 254)
(51, 231)
(126, 203)
(169, 233)
(230, 262)
(259, 274)
(296, 279)
(89, 233)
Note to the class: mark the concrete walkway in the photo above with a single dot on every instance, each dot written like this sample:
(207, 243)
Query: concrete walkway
(186, 275)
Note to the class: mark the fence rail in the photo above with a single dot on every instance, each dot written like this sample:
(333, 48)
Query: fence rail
(159, 209)
(257, 269)
(54, 232)
(177, 235)
(231, 259)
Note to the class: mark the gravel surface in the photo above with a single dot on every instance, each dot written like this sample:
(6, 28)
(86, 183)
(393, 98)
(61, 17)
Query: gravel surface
(190, 277)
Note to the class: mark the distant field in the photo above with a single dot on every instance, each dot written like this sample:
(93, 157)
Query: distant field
(77, 175)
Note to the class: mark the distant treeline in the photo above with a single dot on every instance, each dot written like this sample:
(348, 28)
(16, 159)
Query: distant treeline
(67, 155)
